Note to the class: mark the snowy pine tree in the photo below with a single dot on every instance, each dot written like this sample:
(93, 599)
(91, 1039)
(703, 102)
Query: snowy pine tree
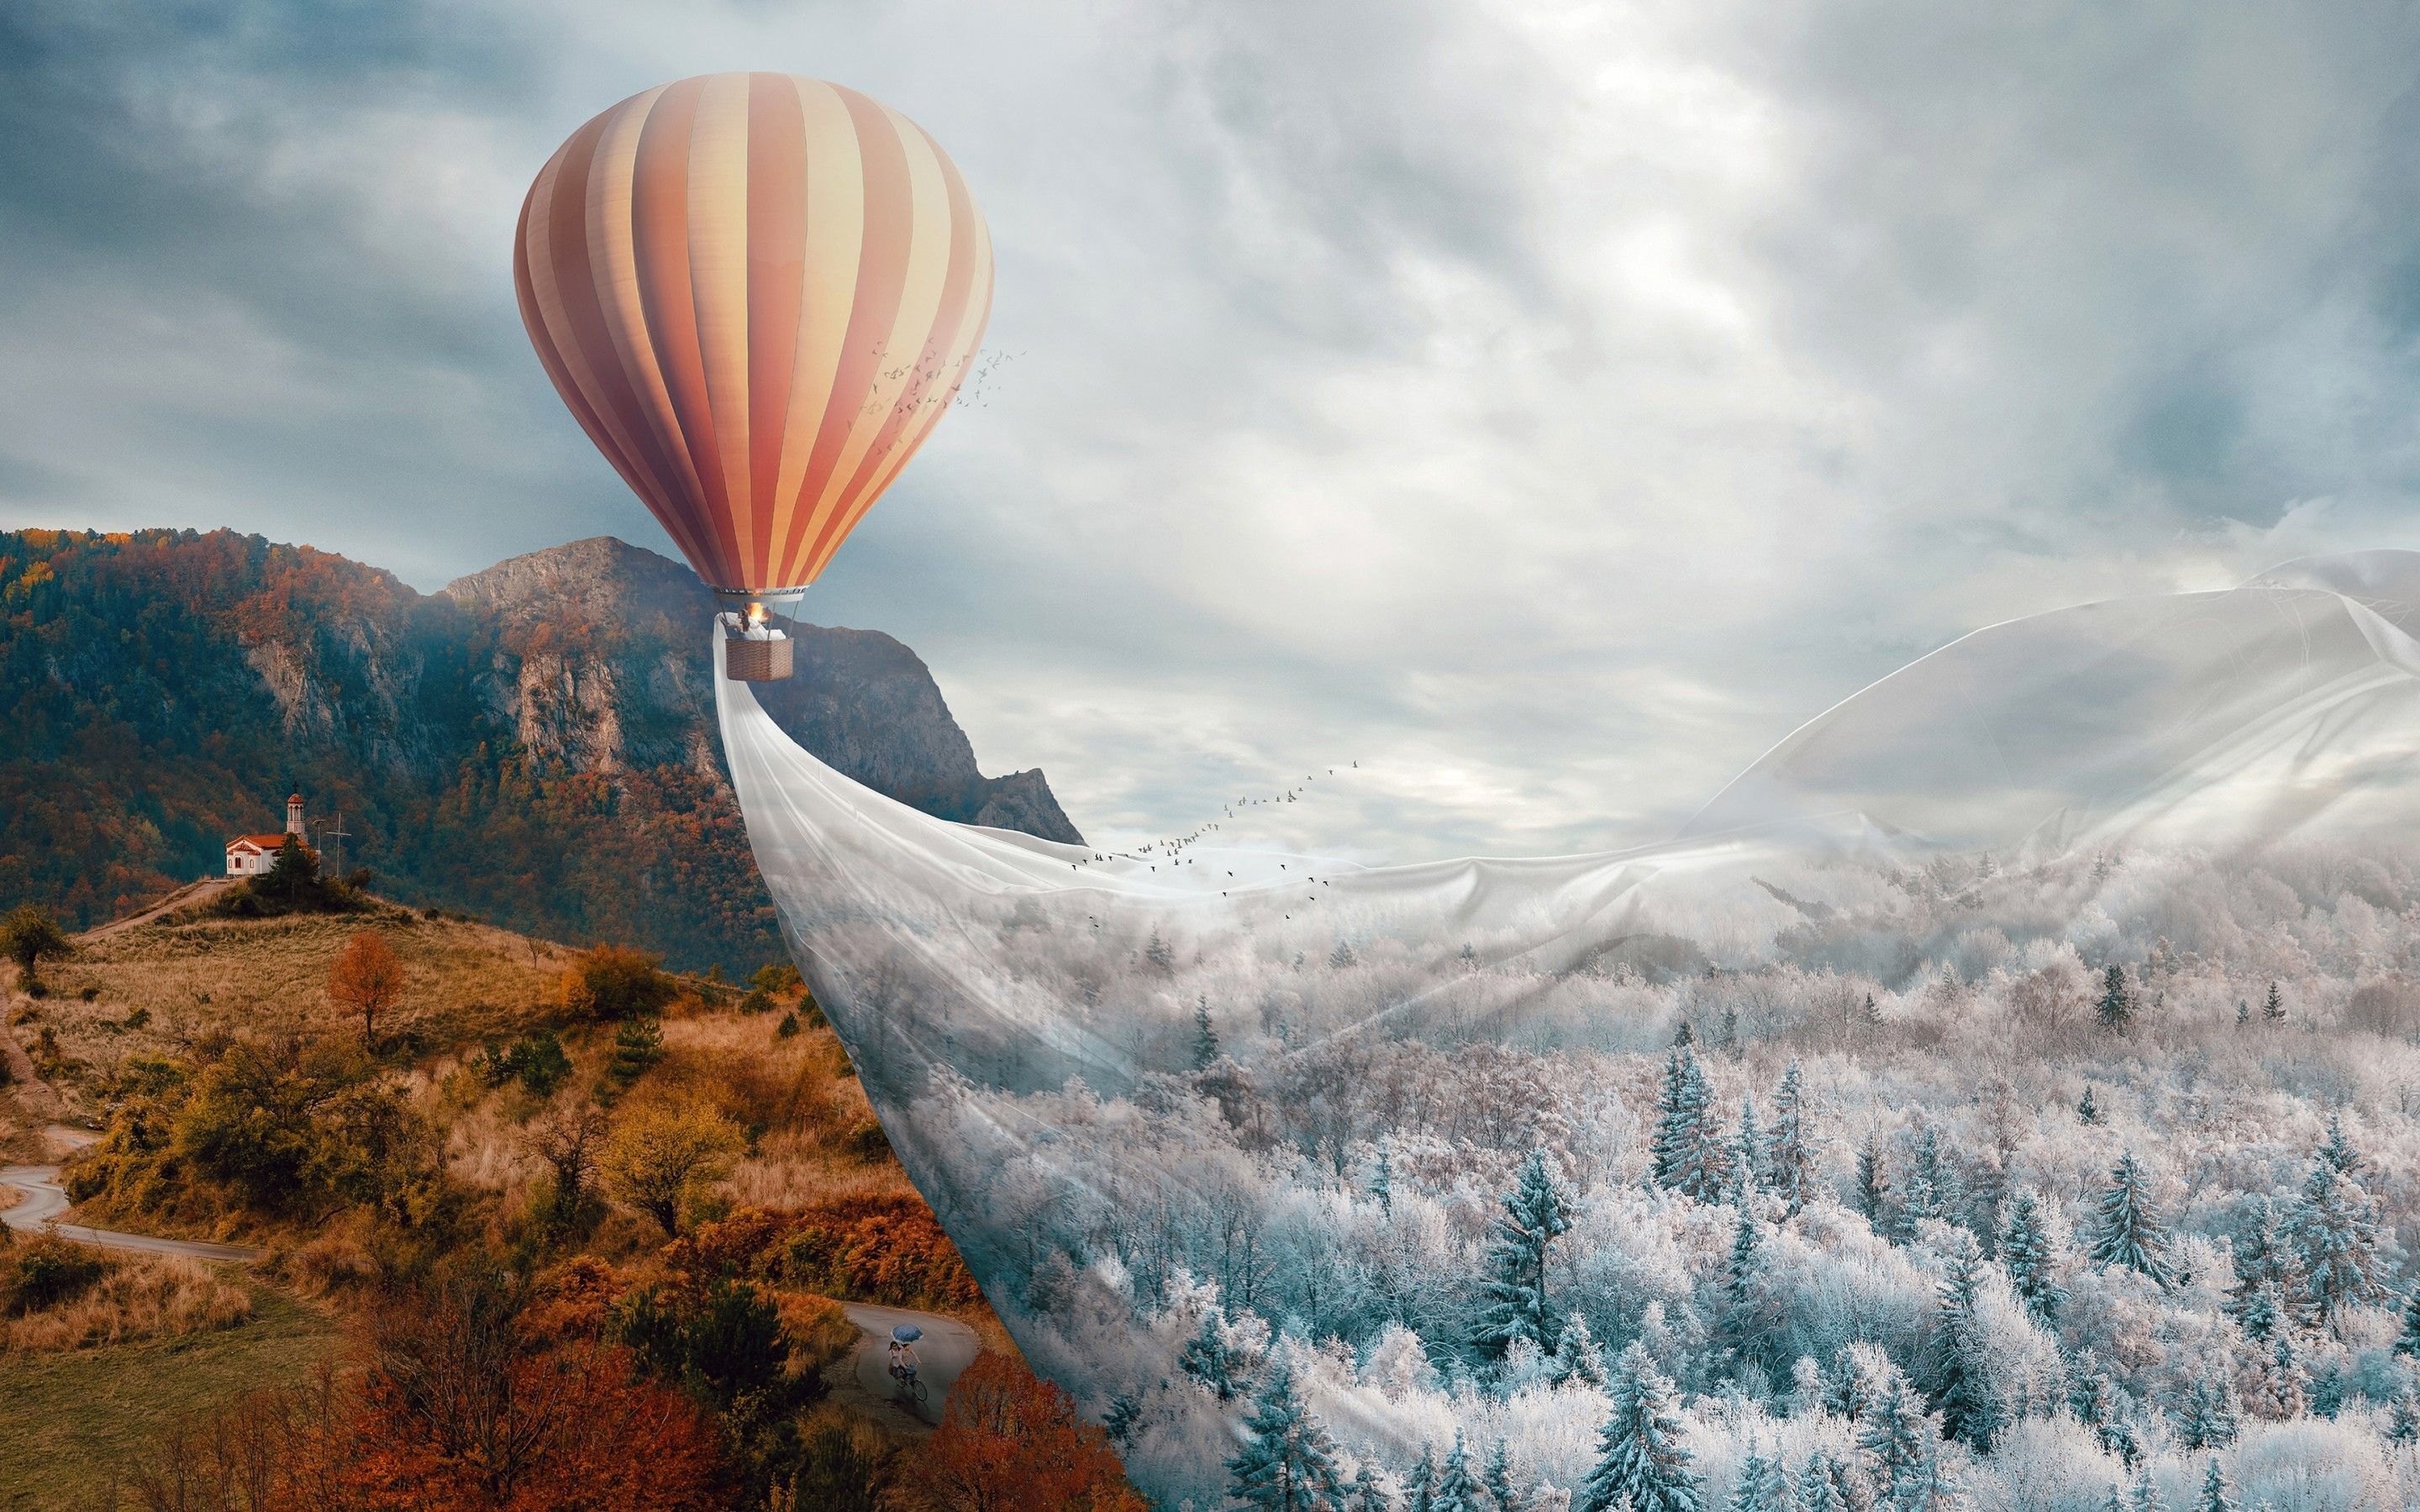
(1205, 1037)
(2117, 1005)
(2263, 1267)
(1457, 1488)
(1289, 1464)
(1535, 1212)
(1419, 1486)
(1761, 1485)
(2087, 1110)
(1956, 1371)
(2145, 1496)
(2274, 1009)
(2407, 1339)
(1789, 1164)
(2025, 1253)
(2338, 1151)
(1817, 1485)
(1578, 1359)
(1874, 1188)
(1922, 1197)
(1207, 1360)
(1748, 1147)
(1367, 1493)
(1687, 1150)
(2403, 1419)
(1899, 1438)
(2333, 1232)
(2125, 1231)
(1744, 1319)
(1497, 1481)
(2208, 1419)
(2216, 1494)
(1382, 1175)
(1641, 1463)
(1161, 958)
(1341, 956)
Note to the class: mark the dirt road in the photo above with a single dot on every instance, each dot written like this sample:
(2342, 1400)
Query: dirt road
(947, 1348)
(40, 1201)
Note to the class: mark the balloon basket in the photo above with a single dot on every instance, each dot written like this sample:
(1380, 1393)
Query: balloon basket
(758, 661)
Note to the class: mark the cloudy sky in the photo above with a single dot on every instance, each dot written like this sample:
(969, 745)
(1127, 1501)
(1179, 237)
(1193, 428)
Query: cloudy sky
(1548, 405)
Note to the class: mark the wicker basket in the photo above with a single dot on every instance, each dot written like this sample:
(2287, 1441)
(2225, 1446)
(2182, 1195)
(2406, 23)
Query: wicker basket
(758, 661)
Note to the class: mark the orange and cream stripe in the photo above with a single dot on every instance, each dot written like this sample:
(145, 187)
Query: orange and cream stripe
(757, 293)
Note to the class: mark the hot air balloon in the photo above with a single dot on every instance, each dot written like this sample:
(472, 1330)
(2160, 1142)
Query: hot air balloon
(757, 293)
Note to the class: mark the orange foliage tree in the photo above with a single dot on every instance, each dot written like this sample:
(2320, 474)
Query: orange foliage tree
(366, 979)
(1010, 1442)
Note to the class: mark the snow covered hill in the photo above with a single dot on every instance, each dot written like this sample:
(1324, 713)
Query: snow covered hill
(2290, 706)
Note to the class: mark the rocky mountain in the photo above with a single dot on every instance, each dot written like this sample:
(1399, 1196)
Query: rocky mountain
(535, 743)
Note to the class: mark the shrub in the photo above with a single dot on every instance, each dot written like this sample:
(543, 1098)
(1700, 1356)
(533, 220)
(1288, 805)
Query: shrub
(30, 936)
(661, 1157)
(887, 1249)
(638, 1045)
(610, 982)
(47, 1272)
(86, 1298)
(1010, 1442)
(788, 1026)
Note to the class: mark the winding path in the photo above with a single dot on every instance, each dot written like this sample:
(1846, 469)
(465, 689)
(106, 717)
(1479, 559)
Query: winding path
(41, 1199)
(947, 1348)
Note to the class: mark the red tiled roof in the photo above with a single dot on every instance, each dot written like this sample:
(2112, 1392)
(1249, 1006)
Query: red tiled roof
(266, 842)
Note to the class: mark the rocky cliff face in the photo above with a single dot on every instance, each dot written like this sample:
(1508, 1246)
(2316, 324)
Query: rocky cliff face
(535, 743)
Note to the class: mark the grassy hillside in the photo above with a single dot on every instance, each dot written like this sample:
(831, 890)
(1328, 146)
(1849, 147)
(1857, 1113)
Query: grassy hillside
(406, 1184)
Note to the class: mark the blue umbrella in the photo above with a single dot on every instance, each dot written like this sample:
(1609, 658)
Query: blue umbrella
(907, 1333)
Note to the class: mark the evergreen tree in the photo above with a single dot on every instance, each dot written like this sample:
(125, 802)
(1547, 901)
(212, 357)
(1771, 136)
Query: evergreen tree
(2125, 1231)
(1819, 1485)
(1688, 1155)
(1367, 1494)
(1874, 1188)
(1205, 1036)
(1865, 1372)
(1207, 1360)
(1744, 1322)
(2025, 1253)
(1788, 1166)
(1748, 1149)
(2088, 1111)
(1761, 1485)
(2333, 1232)
(638, 1045)
(2243, 1012)
(2263, 1267)
(1125, 1413)
(1535, 1214)
(1927, 1174)
(2216, 1494)
(1457, 1489)
(2274, 1009)
(2116, 1006)
(2209, 1420)
(2262, 1315)
(1641, 1465)
(1684, 1037)
(2327, 1395)
(2407, 1340)
(2338, 1151)
(1956, 1374)
(1870, 1015)
(1162, 959)
(1382, 1174)
(1341, 956)
(1497, 1482)
(2403, 1420)
(2279, 1388)
(2145, 1497)
(1577, 1357)
(1419, 1487)
(1288, 1464)
(1898, 1436)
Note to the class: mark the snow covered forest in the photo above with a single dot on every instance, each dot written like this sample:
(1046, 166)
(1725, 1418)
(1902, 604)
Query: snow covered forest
(2077, 1185)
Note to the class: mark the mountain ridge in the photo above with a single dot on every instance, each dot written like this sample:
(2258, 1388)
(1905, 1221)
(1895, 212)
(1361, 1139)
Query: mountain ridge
(533, 742)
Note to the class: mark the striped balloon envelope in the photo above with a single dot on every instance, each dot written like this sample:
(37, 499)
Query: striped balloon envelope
(757, 293)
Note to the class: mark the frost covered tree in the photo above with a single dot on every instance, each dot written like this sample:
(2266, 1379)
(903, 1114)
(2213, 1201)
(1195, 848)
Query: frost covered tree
(1897, 1436)
(1819, 1485)
(1420, 1483)
(1457, 1488)
(2407, 1339)
(1577, 1357)
(1341, 956)
(1288, 1463)
(2026, 1254)
(1535, 1212)
(2333, 1232)
(1205, 1037)
(1367, 1493)
(1789, 1164)
(2277, 1386)
(2125, 1231)
(2263, 1267)
(1873, 1187)
(1382, 1175)
(1761, 1485)
(1162, 959)
(1687, 1148)
(1924, 1196)
(2274, 1009)
(2145, 1497)
(2088, 1111)
(1207, 1360)
(2216, 1494)
(2403, 1419)
(1747, 1146)
(1497, 1481)
(1642, 1466)
(1744, 1320)
(1956, 1367)
(2117, 1005)
(2208, 1419)
(2338, 1151)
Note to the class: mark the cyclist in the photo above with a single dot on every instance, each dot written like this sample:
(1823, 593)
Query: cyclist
(904, 1363)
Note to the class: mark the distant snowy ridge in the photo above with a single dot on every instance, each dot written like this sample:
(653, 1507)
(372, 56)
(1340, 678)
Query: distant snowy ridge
(2288, 706)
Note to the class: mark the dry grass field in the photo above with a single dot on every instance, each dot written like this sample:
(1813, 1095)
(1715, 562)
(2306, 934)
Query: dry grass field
(118, 1298)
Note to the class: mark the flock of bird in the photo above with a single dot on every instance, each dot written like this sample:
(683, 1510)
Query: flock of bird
(1171, 850)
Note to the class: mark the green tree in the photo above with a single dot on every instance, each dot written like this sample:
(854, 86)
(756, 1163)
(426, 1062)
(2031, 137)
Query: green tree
(2216, 1494)
(1457, 1488)
(1789, 1164)
(1535, 1214)
(662, 1156)
(1207, 1360)
(31, 936)
(1957, 1369)
(638, 1045)
(2274, 1007)
(2333, 1232)
(1687, 1150)
(1205, 1037)
(1288, 1463)
(2026, 1254)
(1898, 1436)
(1642, 1466)
(613, 982)
(2117, 1005)
(2125, 1231)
